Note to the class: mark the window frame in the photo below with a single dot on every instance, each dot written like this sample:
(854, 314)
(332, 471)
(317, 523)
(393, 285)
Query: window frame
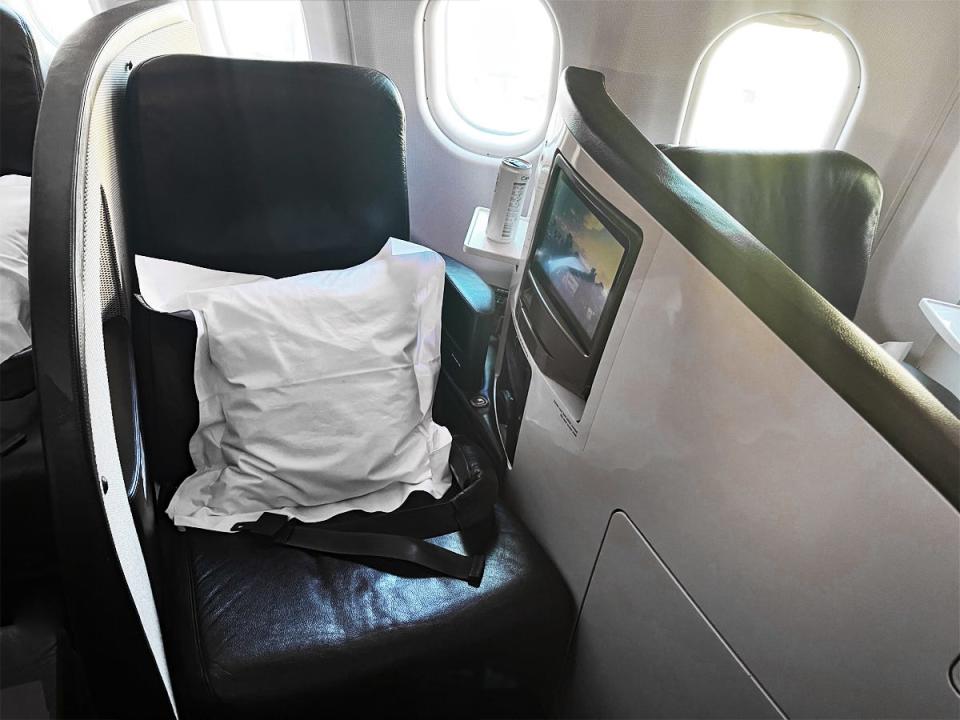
(841, 118)
(231, 49)
(442, 110)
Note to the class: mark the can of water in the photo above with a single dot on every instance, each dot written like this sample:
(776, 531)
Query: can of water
(508, 197)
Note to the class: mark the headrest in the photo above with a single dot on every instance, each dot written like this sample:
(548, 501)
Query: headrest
(273, 168)
(21, 84)
(817, 211)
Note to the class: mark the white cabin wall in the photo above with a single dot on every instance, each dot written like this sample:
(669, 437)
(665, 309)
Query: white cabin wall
(648, 50)
(328, 31)
(445, 183)
(919, 254)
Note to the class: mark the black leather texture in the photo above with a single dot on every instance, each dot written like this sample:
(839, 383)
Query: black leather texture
(860, 371)
(257, 629)
(27, 545)
(21, 85)
(469, 315)
(164, 348)
(16, 375)
(817, 211)
(263, 167)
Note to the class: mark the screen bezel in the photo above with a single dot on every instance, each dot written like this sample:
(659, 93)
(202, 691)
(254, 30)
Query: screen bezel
(626, 233)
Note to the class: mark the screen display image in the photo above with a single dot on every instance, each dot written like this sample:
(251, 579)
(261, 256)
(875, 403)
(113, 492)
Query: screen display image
(578, 256)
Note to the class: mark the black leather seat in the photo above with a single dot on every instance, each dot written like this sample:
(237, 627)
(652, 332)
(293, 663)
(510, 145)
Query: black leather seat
(284, 168)
(22, 83)
(33, 645)
(26, 535)
(817, 211)
(266, 630)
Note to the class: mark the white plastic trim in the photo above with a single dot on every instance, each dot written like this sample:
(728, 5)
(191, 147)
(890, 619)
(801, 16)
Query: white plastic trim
(97, 166)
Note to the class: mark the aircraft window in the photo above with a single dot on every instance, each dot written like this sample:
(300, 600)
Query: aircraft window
(263, 29)
(491, 69)
(773, 82)
(51, 21)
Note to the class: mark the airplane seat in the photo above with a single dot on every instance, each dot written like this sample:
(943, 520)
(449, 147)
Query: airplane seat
(21, 82)
(34, 653)
(300, 184)
(268, 176)
(817, 211)
(251, 166)
(25, 518)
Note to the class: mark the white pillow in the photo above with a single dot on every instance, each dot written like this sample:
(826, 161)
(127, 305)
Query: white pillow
(14, 288)
(315, 391)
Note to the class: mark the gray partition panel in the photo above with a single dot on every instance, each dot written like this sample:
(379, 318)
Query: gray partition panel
(644, 650)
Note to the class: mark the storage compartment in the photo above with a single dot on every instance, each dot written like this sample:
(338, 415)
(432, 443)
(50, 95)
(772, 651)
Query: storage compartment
(512, 386)
(643, 649)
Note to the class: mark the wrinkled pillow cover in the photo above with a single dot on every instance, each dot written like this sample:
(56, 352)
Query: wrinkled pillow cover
(315, 391)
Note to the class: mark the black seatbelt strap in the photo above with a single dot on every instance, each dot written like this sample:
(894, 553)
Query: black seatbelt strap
(398, 535)
(284, 531)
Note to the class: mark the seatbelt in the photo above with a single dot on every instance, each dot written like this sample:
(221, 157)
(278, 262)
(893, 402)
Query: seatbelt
(398, 535)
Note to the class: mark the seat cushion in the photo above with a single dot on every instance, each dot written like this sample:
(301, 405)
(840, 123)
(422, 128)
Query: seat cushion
(257, 629)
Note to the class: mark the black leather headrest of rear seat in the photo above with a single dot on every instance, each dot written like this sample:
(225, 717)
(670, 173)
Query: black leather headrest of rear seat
(274, 168)
(21, 85)
(817, 211)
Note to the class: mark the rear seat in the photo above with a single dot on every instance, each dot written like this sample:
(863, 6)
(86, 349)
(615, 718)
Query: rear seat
(34, 654)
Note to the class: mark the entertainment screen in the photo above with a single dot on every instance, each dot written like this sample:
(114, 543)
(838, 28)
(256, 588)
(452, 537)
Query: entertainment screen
(577, 256)
(580, 262)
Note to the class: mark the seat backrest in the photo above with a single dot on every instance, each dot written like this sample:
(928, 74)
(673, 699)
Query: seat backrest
(817, 211)
(21, 83)
(274, 168)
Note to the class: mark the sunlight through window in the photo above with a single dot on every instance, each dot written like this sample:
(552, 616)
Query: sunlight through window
(492, 71)
(264, 29)
(774, 82)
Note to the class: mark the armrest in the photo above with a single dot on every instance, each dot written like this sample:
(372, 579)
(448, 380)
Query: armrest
(469, 316)
(16, 375)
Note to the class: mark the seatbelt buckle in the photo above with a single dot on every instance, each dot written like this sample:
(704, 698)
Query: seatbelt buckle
(271, 525)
